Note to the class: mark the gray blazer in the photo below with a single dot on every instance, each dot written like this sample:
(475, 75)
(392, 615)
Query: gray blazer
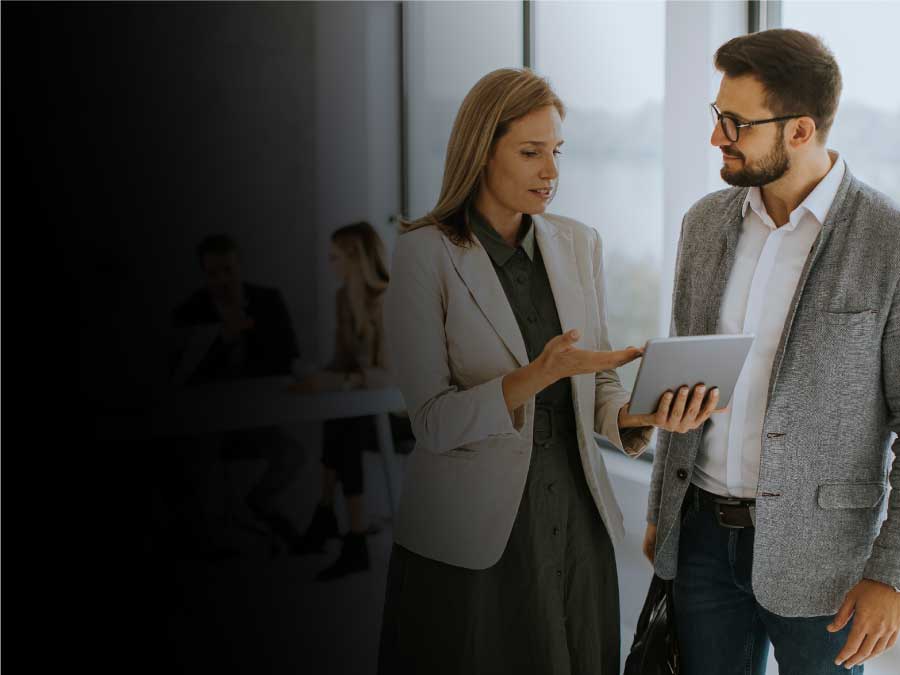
(833, 401)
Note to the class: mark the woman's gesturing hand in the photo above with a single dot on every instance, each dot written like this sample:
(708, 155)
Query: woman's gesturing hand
(561, 358)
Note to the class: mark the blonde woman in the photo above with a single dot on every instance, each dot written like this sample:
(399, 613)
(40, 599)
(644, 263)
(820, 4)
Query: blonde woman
(503, 559)
(357, 259)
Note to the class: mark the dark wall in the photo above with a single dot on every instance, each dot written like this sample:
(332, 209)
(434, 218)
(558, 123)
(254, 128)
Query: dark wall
(132, 131)
(129, 131)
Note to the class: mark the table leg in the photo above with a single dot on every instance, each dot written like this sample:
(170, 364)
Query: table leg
(389, 457)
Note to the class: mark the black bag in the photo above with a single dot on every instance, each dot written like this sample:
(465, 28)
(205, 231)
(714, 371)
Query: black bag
(655, 647)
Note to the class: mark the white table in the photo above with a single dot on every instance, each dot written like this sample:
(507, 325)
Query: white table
(248, 403)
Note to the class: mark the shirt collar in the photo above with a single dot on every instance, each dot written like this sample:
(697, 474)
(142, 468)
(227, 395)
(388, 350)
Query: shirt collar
(499, 251)
(818, 202)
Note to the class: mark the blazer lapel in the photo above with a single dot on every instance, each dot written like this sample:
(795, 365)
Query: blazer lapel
(558, 252)
(726, 262)
(477, 272)
(839, 213)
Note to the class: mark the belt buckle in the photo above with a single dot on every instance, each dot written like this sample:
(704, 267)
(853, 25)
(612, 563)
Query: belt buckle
(726, 502)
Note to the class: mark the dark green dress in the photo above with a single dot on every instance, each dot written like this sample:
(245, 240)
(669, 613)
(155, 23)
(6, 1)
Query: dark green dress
(550, 605)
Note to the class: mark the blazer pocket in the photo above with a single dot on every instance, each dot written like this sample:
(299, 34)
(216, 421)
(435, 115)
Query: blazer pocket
(848, 318)
(850, 495)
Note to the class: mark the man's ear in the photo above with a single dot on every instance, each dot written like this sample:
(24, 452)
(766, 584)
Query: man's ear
(804, 131)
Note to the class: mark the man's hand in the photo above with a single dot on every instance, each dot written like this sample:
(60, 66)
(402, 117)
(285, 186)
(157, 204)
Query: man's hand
(875, 608)
(649, 545)
(674, 412)
(234, 322)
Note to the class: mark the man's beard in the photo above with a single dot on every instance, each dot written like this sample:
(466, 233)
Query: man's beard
(767, 170)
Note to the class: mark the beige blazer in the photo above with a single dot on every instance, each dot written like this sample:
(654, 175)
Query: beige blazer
(361, 349)
(452, 337)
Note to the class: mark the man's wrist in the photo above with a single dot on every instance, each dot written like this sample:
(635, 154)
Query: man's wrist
(896, 589)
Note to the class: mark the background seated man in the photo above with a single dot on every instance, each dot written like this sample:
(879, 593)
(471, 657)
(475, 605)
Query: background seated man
(232, 329)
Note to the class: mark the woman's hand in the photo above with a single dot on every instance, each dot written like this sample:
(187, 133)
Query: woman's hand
(561, 359)
(674, 412)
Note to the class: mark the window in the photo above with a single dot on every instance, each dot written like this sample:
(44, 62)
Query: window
(448, 47)
(863, 38)
(606, 61)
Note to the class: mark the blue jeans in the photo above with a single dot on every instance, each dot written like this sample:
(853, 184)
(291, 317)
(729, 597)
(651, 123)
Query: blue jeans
(722, 629)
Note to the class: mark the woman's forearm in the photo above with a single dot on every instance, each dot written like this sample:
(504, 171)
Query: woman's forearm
(524, 383)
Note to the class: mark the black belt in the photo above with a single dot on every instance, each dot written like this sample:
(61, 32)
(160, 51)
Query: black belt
(730, 512)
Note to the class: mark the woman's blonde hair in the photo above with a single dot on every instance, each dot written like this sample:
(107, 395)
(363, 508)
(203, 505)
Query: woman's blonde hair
(362, 245)
(497, 99)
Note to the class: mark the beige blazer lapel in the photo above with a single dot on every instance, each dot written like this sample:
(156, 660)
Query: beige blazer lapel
(558, 251)
(476, 270)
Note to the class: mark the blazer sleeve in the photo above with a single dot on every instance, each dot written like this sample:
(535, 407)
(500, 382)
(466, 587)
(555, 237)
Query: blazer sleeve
(884, 562)
(443, 416)
(664, 438)
(610, 396)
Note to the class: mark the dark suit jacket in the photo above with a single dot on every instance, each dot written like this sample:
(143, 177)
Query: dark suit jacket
(270, 346)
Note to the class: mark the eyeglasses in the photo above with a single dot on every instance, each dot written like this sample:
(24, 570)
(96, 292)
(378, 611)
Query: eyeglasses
(731, 127)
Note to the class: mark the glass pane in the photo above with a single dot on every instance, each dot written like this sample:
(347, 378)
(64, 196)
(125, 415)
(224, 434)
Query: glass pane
(448, 47)
(863, 37)
(606, 62)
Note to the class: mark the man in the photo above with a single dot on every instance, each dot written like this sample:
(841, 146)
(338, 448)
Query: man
(232, 329)
(768, 516)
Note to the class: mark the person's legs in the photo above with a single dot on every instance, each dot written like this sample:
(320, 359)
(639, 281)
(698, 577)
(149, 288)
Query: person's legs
(347, 440)
(719, 629)
(803, 646)
(323, 525)
(284, 457)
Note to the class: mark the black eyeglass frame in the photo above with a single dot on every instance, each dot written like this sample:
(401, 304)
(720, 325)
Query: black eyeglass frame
(719, 115)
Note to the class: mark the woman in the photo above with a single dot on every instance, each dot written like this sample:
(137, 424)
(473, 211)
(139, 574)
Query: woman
(357, 259)
(503, 561)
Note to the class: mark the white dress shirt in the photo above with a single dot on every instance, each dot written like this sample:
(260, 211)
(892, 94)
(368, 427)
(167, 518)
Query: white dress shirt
(767, 266)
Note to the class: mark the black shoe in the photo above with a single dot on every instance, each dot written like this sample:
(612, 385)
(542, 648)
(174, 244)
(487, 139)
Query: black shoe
(322, 528)
(354, 558)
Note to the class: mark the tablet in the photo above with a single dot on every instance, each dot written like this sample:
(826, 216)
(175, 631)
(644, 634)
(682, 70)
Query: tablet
(669, 363)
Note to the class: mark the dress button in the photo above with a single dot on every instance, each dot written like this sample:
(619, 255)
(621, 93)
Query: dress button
(551, 488)
(559, 573)
(682, 474)
(555, 531)
(520, 279)
(532, 318)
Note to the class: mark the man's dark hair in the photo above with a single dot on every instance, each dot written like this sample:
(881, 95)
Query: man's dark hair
(798, 71)
(217, 244)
